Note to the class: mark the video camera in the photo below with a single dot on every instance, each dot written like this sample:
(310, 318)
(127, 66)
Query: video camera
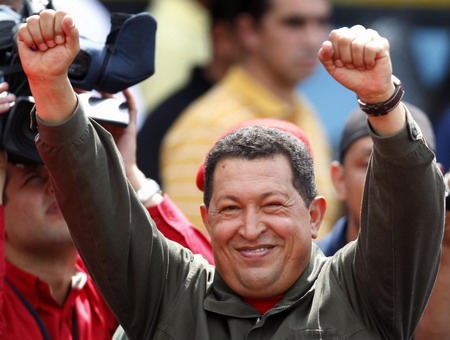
(125, 59)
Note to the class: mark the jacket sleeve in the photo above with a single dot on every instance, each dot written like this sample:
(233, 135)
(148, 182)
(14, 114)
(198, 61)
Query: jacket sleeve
(124, 252)
(396, 255)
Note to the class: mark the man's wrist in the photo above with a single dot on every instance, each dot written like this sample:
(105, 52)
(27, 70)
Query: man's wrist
(381, 108)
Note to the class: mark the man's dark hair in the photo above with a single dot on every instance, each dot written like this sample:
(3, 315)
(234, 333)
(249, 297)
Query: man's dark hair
(229, 10)
(255, 8)
(261, 142)
(224, 10)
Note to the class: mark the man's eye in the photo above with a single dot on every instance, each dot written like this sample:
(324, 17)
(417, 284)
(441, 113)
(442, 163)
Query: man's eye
(33, 178)
(230, 208)
(299, 21)
(273, 205)
(295, 21)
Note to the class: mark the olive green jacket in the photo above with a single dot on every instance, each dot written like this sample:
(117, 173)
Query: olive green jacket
(374, 288)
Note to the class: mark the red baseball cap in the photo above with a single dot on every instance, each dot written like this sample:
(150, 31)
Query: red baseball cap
(265, 122)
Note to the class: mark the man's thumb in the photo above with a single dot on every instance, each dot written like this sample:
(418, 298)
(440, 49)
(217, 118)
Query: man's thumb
(71, 33)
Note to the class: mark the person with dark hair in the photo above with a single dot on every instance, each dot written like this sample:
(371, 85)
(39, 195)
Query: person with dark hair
(270, 280)
(263, 122)
(223, 54)
(278, 44)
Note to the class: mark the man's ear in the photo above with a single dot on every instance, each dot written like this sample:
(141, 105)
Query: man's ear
(337, 172)
(317, 210)
(204, 214)
(246, 31)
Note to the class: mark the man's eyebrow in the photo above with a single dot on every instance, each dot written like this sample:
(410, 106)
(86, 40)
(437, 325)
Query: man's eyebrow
(300, 20)
(263, 195)
(228, 197)
(273, 193)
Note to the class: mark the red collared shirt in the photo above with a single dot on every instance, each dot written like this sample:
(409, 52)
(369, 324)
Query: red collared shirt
(94, 320)
(93, 317)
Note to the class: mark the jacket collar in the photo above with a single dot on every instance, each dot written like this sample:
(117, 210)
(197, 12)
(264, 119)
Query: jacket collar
(222, 300)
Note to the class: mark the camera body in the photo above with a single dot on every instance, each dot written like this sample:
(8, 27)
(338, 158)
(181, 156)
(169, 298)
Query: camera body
(125, 59)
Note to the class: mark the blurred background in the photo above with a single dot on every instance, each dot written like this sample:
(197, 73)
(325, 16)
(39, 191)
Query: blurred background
(418, 30)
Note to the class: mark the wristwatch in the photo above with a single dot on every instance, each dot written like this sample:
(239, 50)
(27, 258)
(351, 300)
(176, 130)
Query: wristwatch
(447, 191)
(383, 108)
(150, 188)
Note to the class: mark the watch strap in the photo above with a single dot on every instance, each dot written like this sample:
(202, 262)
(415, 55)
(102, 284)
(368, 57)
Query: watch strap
(383, 108)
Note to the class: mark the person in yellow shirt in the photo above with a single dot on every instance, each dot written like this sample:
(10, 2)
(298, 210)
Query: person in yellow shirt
(279, 41)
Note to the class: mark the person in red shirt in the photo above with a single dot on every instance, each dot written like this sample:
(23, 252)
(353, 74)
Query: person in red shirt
(45, 290)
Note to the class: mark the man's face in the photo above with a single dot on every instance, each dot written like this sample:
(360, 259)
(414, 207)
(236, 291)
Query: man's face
(289, 37)
(259, 225)
(33, 221)
(350, 177)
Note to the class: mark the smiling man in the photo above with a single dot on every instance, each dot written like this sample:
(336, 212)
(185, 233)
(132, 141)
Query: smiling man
(254, 218)
(261, 208)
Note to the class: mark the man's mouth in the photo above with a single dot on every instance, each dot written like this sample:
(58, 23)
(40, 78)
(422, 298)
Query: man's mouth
(258, 251)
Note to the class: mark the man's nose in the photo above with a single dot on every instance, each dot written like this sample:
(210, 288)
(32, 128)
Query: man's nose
(314, 34)
(252, 224)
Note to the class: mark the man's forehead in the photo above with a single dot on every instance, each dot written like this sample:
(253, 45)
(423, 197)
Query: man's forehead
(237, 177)
(257, 164)
(303, 8)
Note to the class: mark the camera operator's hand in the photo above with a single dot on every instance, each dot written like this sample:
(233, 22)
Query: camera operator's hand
(5, 98)
(125, 139)
(48, 43)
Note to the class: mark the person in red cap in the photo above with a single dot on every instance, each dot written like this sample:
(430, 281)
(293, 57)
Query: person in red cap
(261, 208)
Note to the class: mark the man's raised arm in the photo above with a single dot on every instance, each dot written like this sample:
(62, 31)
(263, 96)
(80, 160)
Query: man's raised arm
(396, 255)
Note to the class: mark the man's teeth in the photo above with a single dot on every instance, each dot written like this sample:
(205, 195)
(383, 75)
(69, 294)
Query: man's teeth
(257, 249)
